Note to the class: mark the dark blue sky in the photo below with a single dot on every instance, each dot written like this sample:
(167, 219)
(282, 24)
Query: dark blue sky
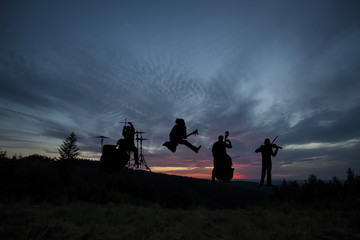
(255, 68)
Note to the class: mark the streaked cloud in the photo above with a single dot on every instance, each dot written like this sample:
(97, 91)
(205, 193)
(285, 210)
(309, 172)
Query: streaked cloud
(351, 143)
(171, 169)
(256, 69)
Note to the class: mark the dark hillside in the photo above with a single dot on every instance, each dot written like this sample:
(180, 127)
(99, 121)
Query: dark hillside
(175, 191)
(38, 179)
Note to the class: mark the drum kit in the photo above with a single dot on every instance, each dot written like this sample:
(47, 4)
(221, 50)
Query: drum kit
(116, 157)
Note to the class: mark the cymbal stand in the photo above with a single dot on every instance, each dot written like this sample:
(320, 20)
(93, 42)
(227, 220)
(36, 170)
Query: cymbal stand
(142, 161)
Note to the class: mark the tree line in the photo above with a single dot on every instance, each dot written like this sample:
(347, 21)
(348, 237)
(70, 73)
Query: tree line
(321, 194)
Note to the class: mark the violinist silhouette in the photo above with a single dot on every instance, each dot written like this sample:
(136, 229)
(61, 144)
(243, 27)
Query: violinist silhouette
(178, 135)
(222, 161)
(266, 153)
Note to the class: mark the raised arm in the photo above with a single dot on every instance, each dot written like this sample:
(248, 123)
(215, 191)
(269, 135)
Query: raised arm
(258, 149)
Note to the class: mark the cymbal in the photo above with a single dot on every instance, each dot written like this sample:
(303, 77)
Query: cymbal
(101, 137)
(139, 132)
(141, 139)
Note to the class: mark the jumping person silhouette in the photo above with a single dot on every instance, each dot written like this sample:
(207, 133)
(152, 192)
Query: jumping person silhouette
(266, 153)
(178, 135)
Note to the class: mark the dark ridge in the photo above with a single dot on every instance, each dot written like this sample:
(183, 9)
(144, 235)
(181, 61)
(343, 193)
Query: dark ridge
(38, 179)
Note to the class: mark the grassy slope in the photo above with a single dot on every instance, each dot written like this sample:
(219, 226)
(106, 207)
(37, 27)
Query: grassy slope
(37, 202)
(129, 221)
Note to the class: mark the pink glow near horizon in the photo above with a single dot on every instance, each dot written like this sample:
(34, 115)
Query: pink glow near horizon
(186, 163)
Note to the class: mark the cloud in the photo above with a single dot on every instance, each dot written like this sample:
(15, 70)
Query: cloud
(257, 70)
(171, 169)
(351, 143)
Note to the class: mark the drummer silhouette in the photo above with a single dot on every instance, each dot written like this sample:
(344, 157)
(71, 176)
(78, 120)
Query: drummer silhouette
(128, 134)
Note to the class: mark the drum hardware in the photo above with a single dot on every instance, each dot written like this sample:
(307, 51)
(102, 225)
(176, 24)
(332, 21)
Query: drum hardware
(102, 140)
(125, 123)
(115, 157)
(142, 160)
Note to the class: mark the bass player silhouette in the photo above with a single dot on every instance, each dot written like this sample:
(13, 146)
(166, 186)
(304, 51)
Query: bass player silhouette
(222, 161)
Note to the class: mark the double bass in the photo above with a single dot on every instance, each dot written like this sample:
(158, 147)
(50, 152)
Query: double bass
(224, 170)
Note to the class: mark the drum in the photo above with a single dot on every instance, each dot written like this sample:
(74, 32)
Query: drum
(113, 159)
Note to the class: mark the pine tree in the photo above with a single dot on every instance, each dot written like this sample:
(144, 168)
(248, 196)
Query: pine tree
(68, 149)
(350, 176)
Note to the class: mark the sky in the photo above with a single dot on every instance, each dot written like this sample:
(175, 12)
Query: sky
(258, 69)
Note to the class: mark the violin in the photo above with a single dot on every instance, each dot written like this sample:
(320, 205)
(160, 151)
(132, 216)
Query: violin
(275, 146)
